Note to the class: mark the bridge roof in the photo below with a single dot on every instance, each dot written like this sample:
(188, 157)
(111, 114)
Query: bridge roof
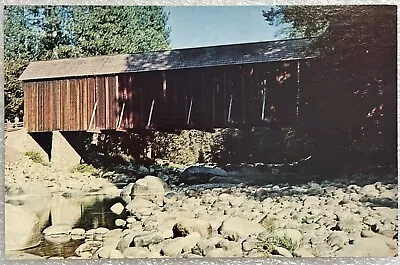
(222, 55)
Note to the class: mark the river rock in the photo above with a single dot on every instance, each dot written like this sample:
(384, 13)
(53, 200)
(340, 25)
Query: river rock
(146, 240)
(89, 235)
(303, 252)
(103, 252)
(116, 254)
(58, 233)
(350, 224)
(282, 252)
(205, 244)
(120, 223)
(126, 241)
(368, 247)
(150, 188)
(220, 253)
(235, 228)
(136, 252)
(311, 201)
(338, 238)
(139, 203)
(87, 247)
(117, 208)
(174, 247)
(186, 226)
(293, 234)
(78, 233)
(201, 174)
(100, 232)
(22, 229)
(370, 221)
(369, 190)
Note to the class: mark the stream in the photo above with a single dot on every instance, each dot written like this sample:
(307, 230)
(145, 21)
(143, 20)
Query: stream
(87, 212)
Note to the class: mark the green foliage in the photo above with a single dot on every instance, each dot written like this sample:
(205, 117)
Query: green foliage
(285, 242)
(100, 30)
(34, 33)
(85, 168)
(353, 85)
(187, 147)
(259, 144)
(35, 157)
(267, 241)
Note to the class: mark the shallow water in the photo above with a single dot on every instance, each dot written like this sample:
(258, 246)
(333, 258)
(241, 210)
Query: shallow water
(88, 212)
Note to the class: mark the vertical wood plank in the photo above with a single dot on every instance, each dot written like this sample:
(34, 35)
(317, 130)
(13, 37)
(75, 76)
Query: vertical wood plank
(107, 102)
(244, 98)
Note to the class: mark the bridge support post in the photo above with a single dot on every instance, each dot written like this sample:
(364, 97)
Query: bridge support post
(63, 154)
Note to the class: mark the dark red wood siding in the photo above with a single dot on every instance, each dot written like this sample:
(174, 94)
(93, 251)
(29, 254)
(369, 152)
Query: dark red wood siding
(68, 104)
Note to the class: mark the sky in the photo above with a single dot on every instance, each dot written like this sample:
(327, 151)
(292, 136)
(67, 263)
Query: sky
(194, 26)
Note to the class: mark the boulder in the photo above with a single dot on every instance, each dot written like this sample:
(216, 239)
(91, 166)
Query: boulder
(146, 240)
(189, 225)
(175, 247)
(78, 233)
(303, 253)
(235, 228)
(201, 174)
(116, 254)
(117, 208)
(136, 252)
(369, 247)
(150, 188)
(369, 190)
(127, 190)
(282, 252)
(139, 203)
(311, 201)
(87, 247)
(22, 228)
(293, 234)
(55, 230)
(120, 223)
(338, 238)
(103, 252)
(221, 253)
(205, 244)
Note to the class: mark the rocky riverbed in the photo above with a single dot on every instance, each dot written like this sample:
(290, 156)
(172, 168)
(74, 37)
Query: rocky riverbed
(230, 215)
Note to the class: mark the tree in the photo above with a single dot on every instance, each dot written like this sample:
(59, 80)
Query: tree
(34, 33)
(354, 81)
(100, 30)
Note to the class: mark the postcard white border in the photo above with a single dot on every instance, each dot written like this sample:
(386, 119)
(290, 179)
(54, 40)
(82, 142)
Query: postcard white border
(236, 261)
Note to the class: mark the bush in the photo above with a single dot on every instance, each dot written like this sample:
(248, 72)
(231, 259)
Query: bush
(85, 168)
(36, 157)
(267, 241)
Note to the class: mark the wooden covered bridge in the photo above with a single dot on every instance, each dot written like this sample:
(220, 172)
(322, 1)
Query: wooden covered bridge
(208, 87)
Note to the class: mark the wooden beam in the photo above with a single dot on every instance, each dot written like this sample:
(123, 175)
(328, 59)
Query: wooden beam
(298, 88)
(243, 95)
(190, 111)
(264, 94)
(92, 118)
(164, 85)
(230, 109)
(120, 116)
(150, 114)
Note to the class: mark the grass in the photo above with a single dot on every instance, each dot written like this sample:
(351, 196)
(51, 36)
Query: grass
(86, 168)
(266, 243)
(36, 157)
(269, 225)
(285, 242)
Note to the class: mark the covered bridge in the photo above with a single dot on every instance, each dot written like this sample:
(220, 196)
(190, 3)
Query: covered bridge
(202, 88)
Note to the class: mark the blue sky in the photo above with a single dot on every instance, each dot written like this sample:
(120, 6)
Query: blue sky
(194, 26)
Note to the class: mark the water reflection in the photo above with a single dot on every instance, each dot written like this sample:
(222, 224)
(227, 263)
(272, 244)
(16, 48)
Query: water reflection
(87, 212)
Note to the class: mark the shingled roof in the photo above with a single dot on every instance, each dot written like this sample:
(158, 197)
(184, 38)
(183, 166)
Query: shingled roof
(256, 52)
